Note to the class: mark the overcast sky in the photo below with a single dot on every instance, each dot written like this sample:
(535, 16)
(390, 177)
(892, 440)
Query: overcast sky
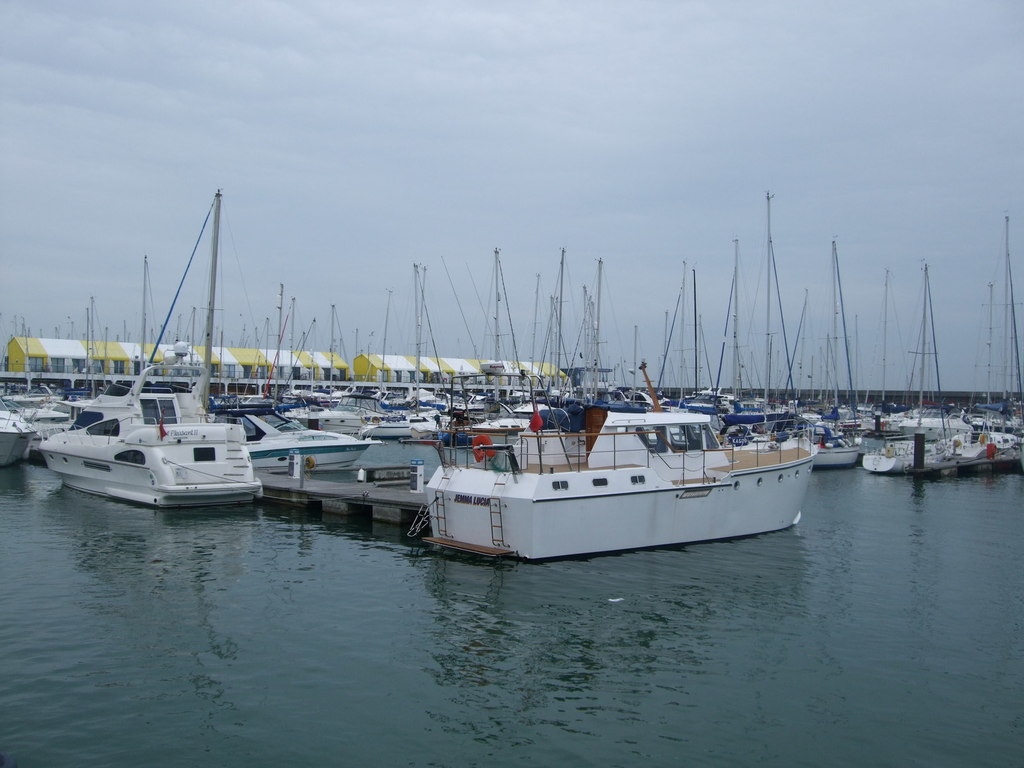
(354, 140)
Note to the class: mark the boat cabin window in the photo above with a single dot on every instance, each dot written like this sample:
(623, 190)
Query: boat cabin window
(685, 437)
(85, 418)
(653, 438)
(132, 457)
(117, 389)
(108, 428)
(204, 453)
(156, 409)
(282, 424)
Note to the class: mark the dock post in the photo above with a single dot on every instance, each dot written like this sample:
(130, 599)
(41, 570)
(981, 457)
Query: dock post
(919, 451)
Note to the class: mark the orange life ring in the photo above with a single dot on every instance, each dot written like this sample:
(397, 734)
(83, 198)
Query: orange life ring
(479, 451)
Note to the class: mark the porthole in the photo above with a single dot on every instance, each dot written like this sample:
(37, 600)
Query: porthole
(760, 481)
(780, 478)
(599, 481)
(736, 485)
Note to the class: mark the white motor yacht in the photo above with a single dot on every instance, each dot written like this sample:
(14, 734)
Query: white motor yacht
(153, 444)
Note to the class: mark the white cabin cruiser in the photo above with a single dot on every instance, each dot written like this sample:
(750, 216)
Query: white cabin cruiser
(613, 481)
(272, 438)
(16, 434)
(153, 445)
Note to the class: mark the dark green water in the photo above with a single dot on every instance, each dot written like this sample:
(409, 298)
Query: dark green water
(887, 629)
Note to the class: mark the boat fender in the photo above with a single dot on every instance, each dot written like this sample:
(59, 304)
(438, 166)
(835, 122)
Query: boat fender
(982, 438)
(889, 451)
(310, 462)
(479, 447)
(957, 444)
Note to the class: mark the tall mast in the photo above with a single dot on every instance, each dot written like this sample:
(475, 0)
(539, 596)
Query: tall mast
(497, 307)
(558, 335)
(988, 374)
(835, 325)
(280, 333)
(885, 326)
(142, 336)
(330, 349)
(419, 318)
(737, 375)
(768, 304)
(597, 328)
(204, 383)
(1012, 311)
(696, 345)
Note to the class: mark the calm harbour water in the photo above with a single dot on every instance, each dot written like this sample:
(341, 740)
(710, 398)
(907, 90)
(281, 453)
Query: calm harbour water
(886, 629)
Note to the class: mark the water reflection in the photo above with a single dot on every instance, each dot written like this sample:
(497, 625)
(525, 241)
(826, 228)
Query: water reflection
(625, 638)
(152, 596)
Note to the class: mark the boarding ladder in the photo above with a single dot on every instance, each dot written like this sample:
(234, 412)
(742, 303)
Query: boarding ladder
(497, 530)
(442, 521)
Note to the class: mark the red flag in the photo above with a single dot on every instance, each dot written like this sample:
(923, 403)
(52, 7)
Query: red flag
(163, 432)
(536, 422)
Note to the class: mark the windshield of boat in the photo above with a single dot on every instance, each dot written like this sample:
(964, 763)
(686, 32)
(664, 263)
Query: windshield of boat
(156, 410)
(282, 424)
(117, 389)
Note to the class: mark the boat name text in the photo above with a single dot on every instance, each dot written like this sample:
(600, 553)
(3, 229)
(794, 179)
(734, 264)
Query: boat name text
(465, 498)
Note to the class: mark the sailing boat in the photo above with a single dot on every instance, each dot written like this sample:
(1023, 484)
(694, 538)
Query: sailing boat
(835, 450)
(897, 457)
(152, 443)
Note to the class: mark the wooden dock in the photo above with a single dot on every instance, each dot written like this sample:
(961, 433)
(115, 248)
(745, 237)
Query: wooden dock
(383, 498)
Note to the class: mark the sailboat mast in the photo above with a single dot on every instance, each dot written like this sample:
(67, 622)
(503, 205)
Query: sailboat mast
(1015, 357)
(737, 374)
(204, 389)
(330, 349)
(768, 304)
(142, 336)
(988, 373)
(597, 328)
(885, 327)
(558, 335)
(497, 308)
(696, 342)
(835, 325)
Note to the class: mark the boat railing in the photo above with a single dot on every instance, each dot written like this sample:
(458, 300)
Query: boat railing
(548, 453)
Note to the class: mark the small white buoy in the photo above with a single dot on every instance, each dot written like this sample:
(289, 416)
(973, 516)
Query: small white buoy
(361, 475)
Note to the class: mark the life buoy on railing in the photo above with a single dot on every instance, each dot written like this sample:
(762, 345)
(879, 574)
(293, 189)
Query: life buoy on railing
(310, 462)
(479, 447)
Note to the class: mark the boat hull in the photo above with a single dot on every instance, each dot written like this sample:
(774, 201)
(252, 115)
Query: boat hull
(14, 446)
(324, 456)
(533, 516)
(837, 458)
